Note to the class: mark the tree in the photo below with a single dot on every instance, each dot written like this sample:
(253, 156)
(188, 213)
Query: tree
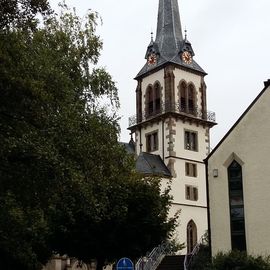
(66, 185)
(22, 13)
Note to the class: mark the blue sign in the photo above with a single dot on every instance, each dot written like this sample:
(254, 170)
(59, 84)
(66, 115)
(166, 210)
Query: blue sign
(124, 264)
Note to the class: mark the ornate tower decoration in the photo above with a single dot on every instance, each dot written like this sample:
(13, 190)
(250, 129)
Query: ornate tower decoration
(172, 120)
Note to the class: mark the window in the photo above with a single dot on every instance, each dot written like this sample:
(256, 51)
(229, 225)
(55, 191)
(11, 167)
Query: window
(238, 236)
(191, 193)
(191, 140)
(157, 98)
(187, 102)
(191, 99)
(191, 169)
(150, 101)
(152, 141)
(191, 236)
(183, 103)
(153, 100)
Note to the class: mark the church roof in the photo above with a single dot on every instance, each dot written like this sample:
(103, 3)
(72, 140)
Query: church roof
(169, 42)
(169, 31)
(152, 165)
(130, 147)
(147, 163)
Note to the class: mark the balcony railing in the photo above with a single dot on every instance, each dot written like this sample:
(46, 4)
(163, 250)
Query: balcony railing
(194, 112)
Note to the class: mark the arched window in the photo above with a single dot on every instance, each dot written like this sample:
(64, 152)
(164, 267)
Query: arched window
(236, 199)
(157, 98)
(187, 98)
(153, 100)
(191, 236)
(191, 99)
(150, 101)
(183, 97)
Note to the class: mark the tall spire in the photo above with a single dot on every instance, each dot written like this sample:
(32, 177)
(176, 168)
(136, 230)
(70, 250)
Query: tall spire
(169, 31)
(169, 46)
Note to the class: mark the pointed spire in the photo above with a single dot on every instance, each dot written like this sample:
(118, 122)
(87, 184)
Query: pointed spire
(169, 44)
(169, 31)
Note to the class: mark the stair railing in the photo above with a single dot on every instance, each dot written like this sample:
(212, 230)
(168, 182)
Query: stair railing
(151, 261)
(189, 256)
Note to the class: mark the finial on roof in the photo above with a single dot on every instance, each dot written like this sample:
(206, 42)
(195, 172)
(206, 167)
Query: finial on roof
(185, 34)
(152, 38)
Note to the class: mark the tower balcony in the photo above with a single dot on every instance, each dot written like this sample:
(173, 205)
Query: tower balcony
(176, 108)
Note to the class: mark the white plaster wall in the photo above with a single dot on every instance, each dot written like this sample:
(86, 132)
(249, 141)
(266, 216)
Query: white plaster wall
(249, 143)
(199, 216)
(148, 129)
(179, 183)
(180, 140)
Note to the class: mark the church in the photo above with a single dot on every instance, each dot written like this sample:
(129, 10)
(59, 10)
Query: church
(238, 184)
(171, 126)
(225, 192)
(171, 131)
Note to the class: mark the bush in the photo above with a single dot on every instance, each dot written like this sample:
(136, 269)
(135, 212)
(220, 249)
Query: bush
(202, 260)
(237, 260)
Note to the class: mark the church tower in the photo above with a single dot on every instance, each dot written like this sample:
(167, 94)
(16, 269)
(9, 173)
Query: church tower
(172, 120)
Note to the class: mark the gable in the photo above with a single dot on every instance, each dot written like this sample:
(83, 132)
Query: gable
(254, 122)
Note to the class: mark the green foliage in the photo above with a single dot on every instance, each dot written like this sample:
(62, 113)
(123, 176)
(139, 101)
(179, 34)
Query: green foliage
(233, 260)
(202, 259)
(175, 245)
(66, 184)
(21, 13)
(236, 260)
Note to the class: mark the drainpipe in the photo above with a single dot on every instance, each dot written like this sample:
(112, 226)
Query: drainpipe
(208, 207)
(163, 139)
(141, 140)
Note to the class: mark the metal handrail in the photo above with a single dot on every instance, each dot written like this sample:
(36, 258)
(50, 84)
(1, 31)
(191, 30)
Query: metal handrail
(151, 261)
(189, 256)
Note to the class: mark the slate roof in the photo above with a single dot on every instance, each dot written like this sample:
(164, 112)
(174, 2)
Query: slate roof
(169, 42)
(130, 147)
(152, 165)
(146, 163)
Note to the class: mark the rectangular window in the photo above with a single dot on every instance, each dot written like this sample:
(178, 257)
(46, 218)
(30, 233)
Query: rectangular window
(191, 169)
(191, 140)
(152, 141)
(191, 193)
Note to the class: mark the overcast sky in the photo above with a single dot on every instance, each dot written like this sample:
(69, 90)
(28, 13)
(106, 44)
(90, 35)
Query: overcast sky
(230, 38)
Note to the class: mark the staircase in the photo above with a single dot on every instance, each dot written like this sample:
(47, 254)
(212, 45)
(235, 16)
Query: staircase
(172, 262)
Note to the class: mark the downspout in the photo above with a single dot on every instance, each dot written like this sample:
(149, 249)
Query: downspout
(208, 207)
(163, 139)
(141, 140)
